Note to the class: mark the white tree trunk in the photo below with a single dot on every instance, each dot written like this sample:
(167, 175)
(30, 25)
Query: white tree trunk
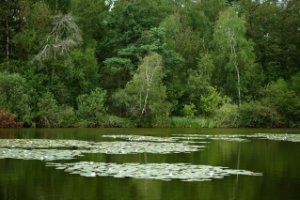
(149, 80)
(235, 62)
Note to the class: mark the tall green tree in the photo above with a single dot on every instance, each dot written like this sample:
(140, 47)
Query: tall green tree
(234, 54)
(10, 21)
(90, 17)
(275, 30)
(34, 30)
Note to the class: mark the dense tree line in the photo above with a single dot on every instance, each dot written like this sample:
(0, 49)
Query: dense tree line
(123, 63)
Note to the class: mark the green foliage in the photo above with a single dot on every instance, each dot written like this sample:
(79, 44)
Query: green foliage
(227, 115)
(189, 110)
(112, 121)
(91, 107)
(284, 100)
(50, 114)
(15, 96)
(144, 97)
(276, 48)
(295, 83)
(182, 38)
(234, 54)
(152, 59)
(81, 74)
(179, 122)
(212, 101)
(34, 30)
(199, 80)
(10, 23)
(89, 15)
(254, 114)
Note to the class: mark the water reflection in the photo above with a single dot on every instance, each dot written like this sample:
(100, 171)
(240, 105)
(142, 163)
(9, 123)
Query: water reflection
(26, 180)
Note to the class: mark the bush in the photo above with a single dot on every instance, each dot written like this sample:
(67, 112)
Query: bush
(49, 114)
(254, 114)
(183, 122)
(8, 120)
(211, 102)
(189, 110)
(284, 100)
(66, 116)
(14, 96)
(91, 108)
(112, 121)
(227, 115)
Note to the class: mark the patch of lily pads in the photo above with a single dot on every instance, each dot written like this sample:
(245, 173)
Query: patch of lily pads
(203, 139)
(155, 139)
(279, 137)
(141, 138)
(158, 171)
(183, 138)
(242, 138)
(43, 149)
(38, 154)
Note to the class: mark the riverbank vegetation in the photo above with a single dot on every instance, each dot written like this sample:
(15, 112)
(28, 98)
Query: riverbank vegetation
(158, 63)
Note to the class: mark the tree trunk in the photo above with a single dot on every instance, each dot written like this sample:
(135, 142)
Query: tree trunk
(149, 79)
(233, 53)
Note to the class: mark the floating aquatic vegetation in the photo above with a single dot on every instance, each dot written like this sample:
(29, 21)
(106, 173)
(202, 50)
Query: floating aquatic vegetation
(44, 143)
(141, 138)
(242, 138)
(232, 138)
(68, 149)
(142, 147)
(158, 171)
(279, 137)
(186, 140)
(38, 154)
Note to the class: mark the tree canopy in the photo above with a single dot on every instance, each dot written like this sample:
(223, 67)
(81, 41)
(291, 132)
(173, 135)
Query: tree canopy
(92, 63)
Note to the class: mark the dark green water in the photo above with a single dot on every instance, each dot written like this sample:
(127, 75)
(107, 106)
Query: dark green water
(278, 161)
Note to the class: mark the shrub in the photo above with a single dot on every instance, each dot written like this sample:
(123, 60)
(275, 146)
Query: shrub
(189, 110)
(14, 96)
(91, 108)
(254, 114)
(112, 121)
(211, 102)
(183, 122)
(284, 100)
(8, 120)
(49, 114)
(227, 115)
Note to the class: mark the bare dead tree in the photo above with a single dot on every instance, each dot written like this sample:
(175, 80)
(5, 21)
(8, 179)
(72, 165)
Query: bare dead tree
(64, 36)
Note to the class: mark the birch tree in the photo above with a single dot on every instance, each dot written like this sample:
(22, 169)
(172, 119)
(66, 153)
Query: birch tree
(145, 95)
(234, 53)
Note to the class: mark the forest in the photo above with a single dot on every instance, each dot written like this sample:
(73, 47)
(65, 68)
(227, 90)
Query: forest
(142, 63)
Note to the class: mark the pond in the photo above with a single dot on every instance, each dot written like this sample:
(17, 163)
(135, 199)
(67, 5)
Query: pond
(154, 164)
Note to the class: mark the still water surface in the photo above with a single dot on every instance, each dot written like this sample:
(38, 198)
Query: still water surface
(278, 161)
